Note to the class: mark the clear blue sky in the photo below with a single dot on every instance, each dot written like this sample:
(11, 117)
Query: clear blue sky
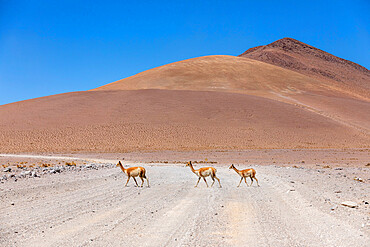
(51, 47)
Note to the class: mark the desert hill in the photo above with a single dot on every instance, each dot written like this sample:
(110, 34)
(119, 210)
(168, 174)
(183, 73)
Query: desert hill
(226, 74)
(205, 103)
(219, 73)
(300, 57)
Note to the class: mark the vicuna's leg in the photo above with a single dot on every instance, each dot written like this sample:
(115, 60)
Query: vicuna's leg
(213, 180)
(197, 182)
(218, 181)
(245, 180)
(205, 181)
(240, 181)
(127, 181)
(135, 181)
(142, 181)
(251, 180)
(257, 181)
(147, 181)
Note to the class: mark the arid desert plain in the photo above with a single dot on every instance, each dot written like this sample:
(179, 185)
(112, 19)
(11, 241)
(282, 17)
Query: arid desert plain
(297, 115)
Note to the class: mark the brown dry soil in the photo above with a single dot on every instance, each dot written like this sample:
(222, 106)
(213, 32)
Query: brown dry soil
(121, 121)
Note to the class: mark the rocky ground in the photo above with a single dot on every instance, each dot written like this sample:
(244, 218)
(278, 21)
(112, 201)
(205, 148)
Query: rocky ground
(86, 205)
(16, 173)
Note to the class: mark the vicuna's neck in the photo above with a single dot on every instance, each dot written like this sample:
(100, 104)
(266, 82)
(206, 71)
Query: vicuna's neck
(192, 168)
(235, 169)
(123, 169)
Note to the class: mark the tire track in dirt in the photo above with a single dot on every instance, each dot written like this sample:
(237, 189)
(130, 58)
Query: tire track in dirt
(99, 211)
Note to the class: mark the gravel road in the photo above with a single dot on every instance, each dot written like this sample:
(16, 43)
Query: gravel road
(292, 207)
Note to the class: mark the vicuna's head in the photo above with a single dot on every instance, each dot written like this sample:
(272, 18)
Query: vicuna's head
(232, 166)
(119, 163)
(189, 163)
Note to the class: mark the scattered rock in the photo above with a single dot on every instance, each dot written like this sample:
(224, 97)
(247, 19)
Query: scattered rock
(338, 191)
(333, 207)
(350, 204)
(33, 174)
(338, 168)
(358, 179)
(8, 169)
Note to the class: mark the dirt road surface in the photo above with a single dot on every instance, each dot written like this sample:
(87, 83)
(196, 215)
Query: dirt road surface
(292, 207)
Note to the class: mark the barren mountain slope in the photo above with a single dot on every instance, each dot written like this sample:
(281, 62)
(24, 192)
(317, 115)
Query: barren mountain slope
(297, 56)
(221, 73)
(249, 76)
(118, 121)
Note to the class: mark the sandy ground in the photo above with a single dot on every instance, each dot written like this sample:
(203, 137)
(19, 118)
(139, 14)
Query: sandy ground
(292, 207)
